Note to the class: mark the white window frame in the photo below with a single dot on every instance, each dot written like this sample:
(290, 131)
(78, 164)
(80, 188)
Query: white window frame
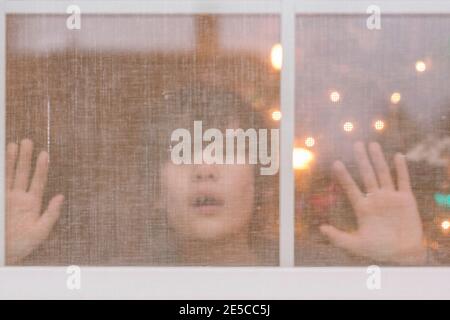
(284, 282)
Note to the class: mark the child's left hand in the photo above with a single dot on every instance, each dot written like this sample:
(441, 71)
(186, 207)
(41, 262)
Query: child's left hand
(389, 225)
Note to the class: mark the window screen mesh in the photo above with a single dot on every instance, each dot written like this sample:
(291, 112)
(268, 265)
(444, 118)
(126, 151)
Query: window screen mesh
(103, 102)
(390, 86)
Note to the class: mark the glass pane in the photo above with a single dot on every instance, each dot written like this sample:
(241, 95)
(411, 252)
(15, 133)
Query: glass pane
(105, 102)
(387, 86)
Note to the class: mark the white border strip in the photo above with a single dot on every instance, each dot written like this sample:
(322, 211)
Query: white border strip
(229, 6)
(214, 283)
(224, 283)
(2, 130)
(154, 7)
(360, 6)
(287, 97)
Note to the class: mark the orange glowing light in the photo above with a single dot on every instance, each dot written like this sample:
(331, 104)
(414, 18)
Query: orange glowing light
(276, 115)
(276, 56)
(379, 125)
(302, 158)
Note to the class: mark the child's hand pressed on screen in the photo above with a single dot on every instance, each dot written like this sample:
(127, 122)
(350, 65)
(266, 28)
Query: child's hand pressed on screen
(389, 225)
(26, 227)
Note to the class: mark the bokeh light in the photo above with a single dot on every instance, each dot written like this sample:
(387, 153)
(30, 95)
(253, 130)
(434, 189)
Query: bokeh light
(276, 56)
(276, 115)
(379, 125)
(348, 126)
(310, 142)
(421, 66)
(445, 225)
(396, 97)
(302, 158)
(335, 96)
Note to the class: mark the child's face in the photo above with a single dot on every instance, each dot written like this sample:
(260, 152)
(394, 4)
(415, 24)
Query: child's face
(208, 201)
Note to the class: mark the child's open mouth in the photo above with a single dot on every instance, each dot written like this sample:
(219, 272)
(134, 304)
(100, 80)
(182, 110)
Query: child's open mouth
(206, 203)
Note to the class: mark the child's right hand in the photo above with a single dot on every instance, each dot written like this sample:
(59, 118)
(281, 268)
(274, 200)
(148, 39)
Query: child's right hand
(26, 227)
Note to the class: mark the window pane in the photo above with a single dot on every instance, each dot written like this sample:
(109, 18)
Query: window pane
(104, 101)
(390, 86)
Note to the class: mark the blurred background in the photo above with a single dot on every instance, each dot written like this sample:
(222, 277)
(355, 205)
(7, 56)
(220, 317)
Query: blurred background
(389, 85)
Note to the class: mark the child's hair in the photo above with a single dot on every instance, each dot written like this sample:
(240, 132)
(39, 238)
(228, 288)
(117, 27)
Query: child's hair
(179, 106)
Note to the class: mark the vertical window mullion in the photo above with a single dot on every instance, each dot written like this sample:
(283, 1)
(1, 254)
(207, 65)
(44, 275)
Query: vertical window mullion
(2, 132)
(287, 208)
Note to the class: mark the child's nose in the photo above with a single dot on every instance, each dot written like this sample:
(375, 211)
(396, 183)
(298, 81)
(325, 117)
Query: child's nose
(205, 172)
